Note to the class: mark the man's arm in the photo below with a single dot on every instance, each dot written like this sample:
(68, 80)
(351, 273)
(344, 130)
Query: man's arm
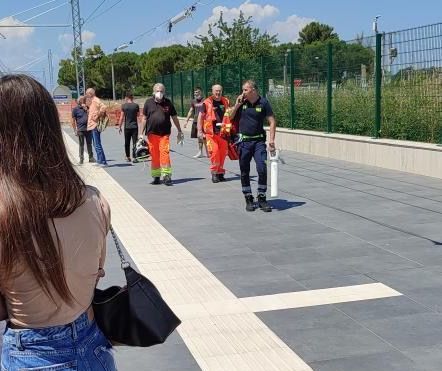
(238, 103)
(189, 115)
(200, 124)
(272, 132)
(142, 126)
(74, 124)
(177, 123)
(120, 121)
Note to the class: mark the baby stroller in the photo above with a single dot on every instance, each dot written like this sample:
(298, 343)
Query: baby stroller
(141, 149)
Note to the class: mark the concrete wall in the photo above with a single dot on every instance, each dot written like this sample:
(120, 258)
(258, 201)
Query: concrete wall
(412, 157)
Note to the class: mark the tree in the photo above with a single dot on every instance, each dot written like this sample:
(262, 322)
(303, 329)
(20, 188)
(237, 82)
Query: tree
(162, 61)
(316, 31)
(226, 43)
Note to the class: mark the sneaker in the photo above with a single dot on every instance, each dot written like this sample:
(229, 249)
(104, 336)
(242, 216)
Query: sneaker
(156, 180)
(128, 159)
(92, 160)
(167, 180)
(215, 178)
(221, 178)
(198, 155)
(134, 161)
(81, 161)
(250, 203)
(263, 204)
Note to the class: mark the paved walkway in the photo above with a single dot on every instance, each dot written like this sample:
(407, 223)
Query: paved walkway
(345, 274)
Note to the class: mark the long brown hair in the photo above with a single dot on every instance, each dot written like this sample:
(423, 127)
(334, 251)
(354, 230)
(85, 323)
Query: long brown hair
(37, 184)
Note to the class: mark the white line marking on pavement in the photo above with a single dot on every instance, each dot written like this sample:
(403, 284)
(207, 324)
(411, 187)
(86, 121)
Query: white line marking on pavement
(221, 331)
(311, 298)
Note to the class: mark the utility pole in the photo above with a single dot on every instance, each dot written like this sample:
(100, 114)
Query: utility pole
(51, 71)
(78, 46)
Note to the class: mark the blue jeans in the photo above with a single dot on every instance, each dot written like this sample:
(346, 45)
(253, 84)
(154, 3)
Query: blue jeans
(101, 157)
(79, 345)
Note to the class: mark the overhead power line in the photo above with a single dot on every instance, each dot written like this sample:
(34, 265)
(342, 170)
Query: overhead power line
(170, 22)
(94, 11)
(45, 12)
(103, 12)
(28, 10)
(34, 25)
(34, 61)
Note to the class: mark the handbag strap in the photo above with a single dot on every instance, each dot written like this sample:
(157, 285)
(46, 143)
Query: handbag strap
(124, 262)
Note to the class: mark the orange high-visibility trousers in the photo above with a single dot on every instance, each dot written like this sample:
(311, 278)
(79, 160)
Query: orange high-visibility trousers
(217, 148)
(159, 147)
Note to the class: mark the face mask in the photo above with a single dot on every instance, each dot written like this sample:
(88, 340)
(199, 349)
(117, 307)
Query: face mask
(159, 95)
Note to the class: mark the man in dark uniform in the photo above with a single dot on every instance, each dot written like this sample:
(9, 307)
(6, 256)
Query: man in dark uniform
(157, 112)
(79, 124)
(250, 111)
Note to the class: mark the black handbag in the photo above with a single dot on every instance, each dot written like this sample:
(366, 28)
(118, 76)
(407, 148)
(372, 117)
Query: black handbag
(135, 314)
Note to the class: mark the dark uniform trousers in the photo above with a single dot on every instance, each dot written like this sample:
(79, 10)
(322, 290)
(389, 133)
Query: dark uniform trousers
(257, 150)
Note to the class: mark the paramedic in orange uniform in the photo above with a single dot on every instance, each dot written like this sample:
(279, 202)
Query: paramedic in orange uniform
(157, 112)
(209, 126)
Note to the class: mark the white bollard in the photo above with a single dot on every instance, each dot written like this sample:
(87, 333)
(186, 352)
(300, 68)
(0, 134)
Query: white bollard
(274, 159)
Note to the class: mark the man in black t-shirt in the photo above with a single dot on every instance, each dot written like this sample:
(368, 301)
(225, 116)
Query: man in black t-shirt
(251, 111)
(129, 114)
(157, 113)
(79, 124)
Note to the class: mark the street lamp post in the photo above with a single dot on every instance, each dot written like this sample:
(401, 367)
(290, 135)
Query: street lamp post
(285, 70)
(118, 48)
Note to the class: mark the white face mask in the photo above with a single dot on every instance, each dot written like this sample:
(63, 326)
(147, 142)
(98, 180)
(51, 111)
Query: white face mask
(159, 95)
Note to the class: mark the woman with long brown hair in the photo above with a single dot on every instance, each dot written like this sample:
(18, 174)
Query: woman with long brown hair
(52, 240)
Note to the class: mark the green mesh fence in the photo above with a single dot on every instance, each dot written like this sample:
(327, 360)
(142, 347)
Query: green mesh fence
(412, 84)
(335, 87)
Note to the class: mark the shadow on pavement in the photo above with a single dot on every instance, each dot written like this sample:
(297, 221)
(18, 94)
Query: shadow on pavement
(121, 165)
(185, 180)
(281, 205)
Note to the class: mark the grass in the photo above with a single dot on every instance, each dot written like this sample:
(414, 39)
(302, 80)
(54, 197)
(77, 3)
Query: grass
(411, 109)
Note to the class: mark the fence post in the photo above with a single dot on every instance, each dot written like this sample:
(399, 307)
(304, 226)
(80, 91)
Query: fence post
(240, 77)
(263, 77)
(292, 90)
(378, 86)
(206, 87)
(182, 94)
(221, 75)
(171, 89)
(330, 88)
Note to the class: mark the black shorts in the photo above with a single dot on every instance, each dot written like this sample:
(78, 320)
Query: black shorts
(194, 130)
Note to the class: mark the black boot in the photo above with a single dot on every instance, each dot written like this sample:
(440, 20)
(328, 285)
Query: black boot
(221, 178)
(215, 178)
(156, 180)
(167, 180)
(263, 204)
(250, 203)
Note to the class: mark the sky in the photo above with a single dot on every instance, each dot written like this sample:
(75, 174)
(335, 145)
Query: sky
(28, 47)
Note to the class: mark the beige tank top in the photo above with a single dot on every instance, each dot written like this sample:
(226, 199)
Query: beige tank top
(83, 240)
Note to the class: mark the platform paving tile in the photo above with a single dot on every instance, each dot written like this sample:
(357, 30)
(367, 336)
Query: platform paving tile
(334, 224)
